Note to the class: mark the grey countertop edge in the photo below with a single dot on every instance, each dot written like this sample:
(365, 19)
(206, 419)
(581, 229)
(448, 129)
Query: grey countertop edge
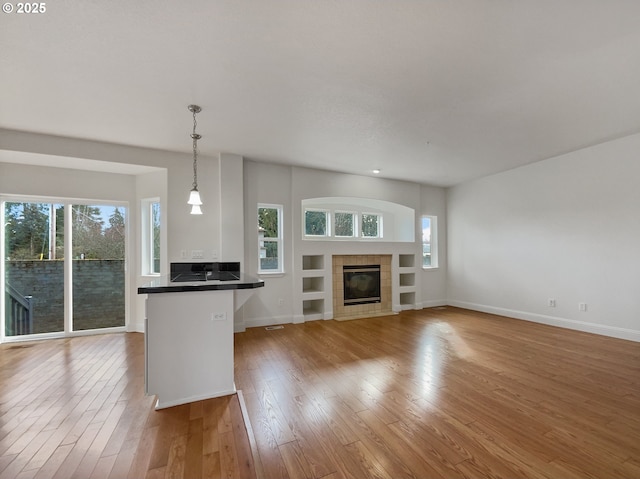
(168, 287)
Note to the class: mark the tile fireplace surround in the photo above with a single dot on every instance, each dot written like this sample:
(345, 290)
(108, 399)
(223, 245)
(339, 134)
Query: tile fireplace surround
(354, 311)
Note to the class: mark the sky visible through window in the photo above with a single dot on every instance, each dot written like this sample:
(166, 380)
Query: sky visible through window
(426, 230)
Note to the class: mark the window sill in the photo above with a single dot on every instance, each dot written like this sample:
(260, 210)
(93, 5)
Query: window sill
(430, 268)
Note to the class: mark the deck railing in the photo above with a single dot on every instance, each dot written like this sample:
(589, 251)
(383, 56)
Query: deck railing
(19, 314)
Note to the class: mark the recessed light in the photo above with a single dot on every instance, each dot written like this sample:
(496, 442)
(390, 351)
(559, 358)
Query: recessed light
(376, 171)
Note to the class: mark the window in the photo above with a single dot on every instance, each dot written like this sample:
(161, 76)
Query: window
(155, 238)
(63, 266)
(344, 224)
(371, 226)
(270, 238)
(316, 223)
(151, 236)
(429, 246)
(341, 218)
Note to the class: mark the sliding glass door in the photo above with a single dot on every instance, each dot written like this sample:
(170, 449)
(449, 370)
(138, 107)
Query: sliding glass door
(64, 267)
(33, 268)
(98, 238)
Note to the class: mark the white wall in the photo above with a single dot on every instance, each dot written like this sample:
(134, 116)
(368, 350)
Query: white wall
(310, 183)
(567, 228)
(39, 181)
(434, 280)
(231, 207)
(148, 185)
(230, 188)
(268, 183)
(280, 301)
(184, 232)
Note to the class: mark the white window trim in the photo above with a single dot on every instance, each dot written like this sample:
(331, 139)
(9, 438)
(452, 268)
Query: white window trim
(328, 229)
(380, 233)
(433, 220)
(68, 330)
(278, 241)
(146, 217)
(356, 219)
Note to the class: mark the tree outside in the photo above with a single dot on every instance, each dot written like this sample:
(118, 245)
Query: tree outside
(315, 223)
(268, 221)
(370, 225)
(269, 233)
(344, 224)
(29, 228)
(35, 267)
(92, 239)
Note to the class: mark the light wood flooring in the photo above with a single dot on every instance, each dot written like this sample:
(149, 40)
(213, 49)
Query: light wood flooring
(440, 393)
(75, 408)
(424, 394)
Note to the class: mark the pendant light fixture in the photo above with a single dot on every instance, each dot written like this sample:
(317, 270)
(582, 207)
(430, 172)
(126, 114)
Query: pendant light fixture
(194, 195)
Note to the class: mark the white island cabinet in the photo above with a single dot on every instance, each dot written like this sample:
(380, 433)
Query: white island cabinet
(189, 339)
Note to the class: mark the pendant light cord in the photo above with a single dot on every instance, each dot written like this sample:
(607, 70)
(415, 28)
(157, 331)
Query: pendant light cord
(195, 137)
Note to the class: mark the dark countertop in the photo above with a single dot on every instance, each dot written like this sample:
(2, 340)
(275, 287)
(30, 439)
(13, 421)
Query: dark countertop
(164, 285)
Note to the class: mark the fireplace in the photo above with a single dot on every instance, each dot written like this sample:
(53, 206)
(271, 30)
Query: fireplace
(361, 284)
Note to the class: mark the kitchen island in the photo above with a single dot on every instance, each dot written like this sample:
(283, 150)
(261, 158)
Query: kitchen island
(189, 336)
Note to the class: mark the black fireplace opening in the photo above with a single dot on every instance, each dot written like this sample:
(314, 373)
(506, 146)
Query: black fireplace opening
(361, 284)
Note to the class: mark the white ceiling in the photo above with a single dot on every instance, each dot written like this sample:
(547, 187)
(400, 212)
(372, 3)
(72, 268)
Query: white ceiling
(432, 91)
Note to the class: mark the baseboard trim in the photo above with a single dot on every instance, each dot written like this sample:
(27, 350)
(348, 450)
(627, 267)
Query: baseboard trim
(261, 322)
(434, 303)
(595, 328)
(137, 327)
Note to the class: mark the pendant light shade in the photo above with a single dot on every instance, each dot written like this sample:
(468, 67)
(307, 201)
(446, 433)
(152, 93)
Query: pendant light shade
(194, 196)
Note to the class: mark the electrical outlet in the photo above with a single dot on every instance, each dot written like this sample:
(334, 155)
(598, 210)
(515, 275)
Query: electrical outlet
(582, 307)
(551, 303)
(183, 254)
(220, 316)
(280, 302)
(197, 254)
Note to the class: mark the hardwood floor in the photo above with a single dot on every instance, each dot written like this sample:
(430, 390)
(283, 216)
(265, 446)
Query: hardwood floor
(423, 394)
(75, 408)
(440, 393)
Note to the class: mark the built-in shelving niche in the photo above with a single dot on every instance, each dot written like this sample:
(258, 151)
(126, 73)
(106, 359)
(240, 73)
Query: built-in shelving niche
(313, 309)
(407, 280)
(408, 298)
(313, 284)
(313, 287)
(407, 261)
(313, 262)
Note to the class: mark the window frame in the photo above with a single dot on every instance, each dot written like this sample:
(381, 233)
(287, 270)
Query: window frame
(148, 237)
(433, 241)
(327, 231)
(69, 329)
(277, 240)
(379, 234)
(355, 220)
